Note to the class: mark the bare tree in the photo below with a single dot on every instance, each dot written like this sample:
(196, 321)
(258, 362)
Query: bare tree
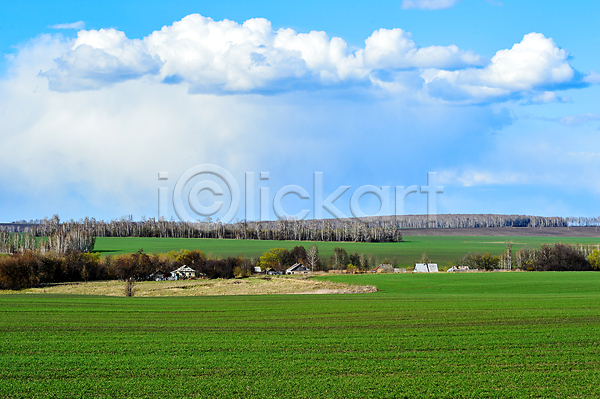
(130, 287)
(312, 256)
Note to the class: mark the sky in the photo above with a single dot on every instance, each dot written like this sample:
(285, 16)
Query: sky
(498, 98)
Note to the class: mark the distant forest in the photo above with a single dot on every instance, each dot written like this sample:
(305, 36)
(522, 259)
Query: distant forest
(78, 233)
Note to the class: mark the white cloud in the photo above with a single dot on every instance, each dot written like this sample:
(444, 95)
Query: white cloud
(101, 58)
(428, 4)
(593, 78)
(477, 177)
(394, 48)
(73, 25)
(533, 65)
(544, 97)
(224, 56)
(577, 120)
(535, 61)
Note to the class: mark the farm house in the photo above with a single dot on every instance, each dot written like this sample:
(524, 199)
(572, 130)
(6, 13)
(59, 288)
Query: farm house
(184, 272)
(297, 268)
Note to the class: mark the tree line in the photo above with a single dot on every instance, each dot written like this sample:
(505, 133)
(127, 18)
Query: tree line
(368, 229)
(33, 268)
(59, 241)
(284, 229)
(557, 257)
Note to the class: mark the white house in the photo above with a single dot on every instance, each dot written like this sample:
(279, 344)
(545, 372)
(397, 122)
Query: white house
(184, 272)
(426, 268)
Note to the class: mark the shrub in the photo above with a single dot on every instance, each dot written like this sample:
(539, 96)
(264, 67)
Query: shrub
(594, 259)
(560, 257)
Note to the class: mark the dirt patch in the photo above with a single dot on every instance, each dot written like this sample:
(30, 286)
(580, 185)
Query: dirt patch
(247, 286)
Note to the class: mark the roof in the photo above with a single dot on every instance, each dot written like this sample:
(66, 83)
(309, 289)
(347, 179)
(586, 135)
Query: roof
(184, 269)
(297, 266)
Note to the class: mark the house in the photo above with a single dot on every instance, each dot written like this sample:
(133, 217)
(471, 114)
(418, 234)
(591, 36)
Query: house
(183, 272)
(257, 269)
(426, 268)
(159, 275)
(297, 268)
(272, 272)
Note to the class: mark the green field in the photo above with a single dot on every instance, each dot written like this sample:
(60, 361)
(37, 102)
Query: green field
(440, 249)
(492, 335)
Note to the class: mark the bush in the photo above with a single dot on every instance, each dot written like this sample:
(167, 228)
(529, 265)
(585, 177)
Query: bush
(19, 271)
(594, 259)
(560, 257)
(479, 261)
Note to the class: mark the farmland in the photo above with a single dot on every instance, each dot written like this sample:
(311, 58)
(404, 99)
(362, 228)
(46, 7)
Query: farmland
(421, 336)
(441, 249)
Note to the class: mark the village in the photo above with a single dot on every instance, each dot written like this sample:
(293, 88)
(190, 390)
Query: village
(185, 272)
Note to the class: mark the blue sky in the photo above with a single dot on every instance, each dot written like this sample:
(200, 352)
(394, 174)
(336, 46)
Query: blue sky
(500, 98)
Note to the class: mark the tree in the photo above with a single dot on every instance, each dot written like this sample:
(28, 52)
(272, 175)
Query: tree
(312, 256)
(594, 259)
(487, 261)
(526, 258)
(129, 288)
(298, 254)
(479, 261)
(275, 258)
(363, 261)
(561, 257)
(506, 258)
(352, 269)
(354, 259)
(339, 259)
(194, 259)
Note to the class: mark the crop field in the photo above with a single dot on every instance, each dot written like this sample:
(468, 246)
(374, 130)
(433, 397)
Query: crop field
(493, 335)
(441, 249)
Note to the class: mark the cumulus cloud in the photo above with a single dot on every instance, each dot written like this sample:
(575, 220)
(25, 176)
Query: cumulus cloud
(533, 65)
(225, 57)
(395, 49)
(101, 58)
(428, 4)
(213, 56)
(73, 25)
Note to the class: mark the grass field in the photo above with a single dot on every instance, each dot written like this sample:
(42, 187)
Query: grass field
(441, 249)
(492, 335)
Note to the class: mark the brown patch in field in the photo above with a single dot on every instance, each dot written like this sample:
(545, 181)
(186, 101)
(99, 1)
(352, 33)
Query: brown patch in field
(248, 286)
